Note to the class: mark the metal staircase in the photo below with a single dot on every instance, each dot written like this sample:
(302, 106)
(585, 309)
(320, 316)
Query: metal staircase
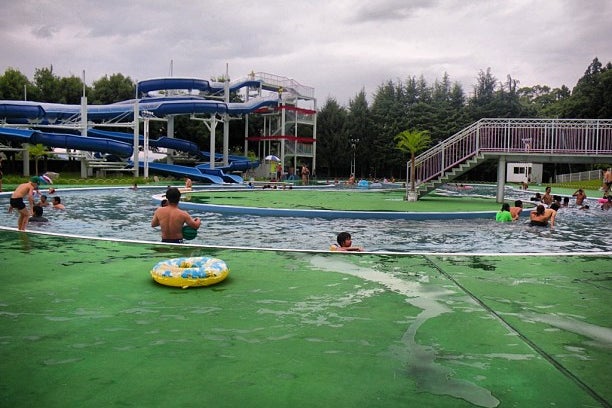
(534, 140)
(462, 168)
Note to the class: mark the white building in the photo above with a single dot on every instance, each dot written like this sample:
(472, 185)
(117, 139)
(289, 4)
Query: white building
(524, 172)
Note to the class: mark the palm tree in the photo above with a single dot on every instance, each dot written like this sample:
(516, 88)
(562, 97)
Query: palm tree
(412, 141)
(37, 151)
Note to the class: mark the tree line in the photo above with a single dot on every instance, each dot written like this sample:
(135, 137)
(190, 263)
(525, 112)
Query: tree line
(441, 108)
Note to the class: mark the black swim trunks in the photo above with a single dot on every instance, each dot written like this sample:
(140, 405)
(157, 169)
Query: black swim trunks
(172, 241)
(538, 223)
(17, 203)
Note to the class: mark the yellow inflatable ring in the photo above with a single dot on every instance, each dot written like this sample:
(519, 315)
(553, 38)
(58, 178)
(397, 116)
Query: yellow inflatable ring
(188, 272)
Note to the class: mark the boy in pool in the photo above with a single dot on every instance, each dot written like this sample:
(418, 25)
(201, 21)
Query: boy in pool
(345, 243)
(516, 210)
(24, 190)
(171, 219)
(38, 215)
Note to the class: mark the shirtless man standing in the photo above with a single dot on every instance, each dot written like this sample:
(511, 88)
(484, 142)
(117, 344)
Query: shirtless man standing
(171, 218)
(24, 190)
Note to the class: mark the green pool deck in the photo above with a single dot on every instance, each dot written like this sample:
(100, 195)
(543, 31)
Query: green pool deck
(355, 200)
(82, 324)
(341, 200)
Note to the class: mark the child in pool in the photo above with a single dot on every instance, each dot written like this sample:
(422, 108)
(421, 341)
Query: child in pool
(345, 243)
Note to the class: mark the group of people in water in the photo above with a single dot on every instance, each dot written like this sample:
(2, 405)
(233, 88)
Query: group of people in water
(172, 219)
(37, 202)
(547, 206)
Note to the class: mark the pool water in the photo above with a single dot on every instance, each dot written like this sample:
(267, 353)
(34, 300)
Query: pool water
(126, 214)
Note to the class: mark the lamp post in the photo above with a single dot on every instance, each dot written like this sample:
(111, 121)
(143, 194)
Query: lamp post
(354, 147)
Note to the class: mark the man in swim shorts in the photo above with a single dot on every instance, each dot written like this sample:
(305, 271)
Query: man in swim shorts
(171, 219)
(24, 190)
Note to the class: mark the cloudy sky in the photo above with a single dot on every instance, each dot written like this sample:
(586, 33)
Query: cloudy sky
(336, 46)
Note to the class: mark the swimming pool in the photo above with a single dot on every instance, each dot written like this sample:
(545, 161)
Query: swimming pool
(126, 214)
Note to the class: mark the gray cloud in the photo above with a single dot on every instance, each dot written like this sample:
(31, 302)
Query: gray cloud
(337, 47)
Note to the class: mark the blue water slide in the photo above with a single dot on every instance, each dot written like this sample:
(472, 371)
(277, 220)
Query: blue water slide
(16, 135)
(219, 87)
(218, 171)
(158, 84)
(183, 171)
(91, 144)
(19, 109)
(176, 144)
(68, 141)
(236, 163)
(166, 142)
(251, 105)
(242, 165)
(120, 136)
(183, 107)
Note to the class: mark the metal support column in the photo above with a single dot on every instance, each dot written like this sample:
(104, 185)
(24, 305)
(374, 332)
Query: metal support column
(501, 179)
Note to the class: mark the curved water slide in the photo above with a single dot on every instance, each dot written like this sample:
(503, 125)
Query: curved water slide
(42, 113)
(67, 141)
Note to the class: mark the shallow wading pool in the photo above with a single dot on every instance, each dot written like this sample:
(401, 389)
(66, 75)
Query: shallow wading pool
(126, 214)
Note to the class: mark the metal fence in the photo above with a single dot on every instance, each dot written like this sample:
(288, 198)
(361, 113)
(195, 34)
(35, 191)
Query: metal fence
(580, 176)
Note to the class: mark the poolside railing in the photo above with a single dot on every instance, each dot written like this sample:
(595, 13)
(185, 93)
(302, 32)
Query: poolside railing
(577, 137)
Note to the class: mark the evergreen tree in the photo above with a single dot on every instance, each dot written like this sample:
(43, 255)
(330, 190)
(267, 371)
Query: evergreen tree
(332, 138)
(591, 97)
(359, 127)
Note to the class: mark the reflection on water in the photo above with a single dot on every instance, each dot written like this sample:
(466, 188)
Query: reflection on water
(126, 214)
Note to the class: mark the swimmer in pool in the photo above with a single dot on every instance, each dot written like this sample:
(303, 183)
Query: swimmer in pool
(516, 210)
(541, 216)
(547, 198)
(171, 219)
(38, 215)
(43, 202)
(504, 214)
(345, 243)
(24, 190)
(580, 196)
(57, 203)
